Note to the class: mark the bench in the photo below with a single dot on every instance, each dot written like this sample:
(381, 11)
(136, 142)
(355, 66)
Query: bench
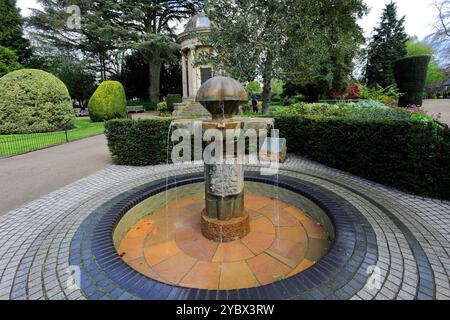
(80, 112)
(135, 109)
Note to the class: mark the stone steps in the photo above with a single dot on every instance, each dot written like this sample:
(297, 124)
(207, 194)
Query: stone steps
(189, 108)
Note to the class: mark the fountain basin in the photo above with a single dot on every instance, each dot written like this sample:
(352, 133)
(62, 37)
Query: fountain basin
(165, 242)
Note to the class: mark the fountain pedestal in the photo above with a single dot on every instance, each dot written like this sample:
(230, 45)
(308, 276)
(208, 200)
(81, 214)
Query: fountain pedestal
(224, 218)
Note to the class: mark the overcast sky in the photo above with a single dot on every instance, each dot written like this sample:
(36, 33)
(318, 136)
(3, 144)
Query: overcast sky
(419, 14)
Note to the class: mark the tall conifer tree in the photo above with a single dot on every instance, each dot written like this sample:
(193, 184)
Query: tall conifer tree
(11, 34)
(388, 45)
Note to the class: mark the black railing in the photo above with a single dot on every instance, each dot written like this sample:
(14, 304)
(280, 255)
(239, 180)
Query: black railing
(11, 145)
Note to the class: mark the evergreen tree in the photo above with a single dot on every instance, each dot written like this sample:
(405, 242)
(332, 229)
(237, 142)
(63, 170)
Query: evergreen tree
(135, 77)
(11, 34)
(338, 37)
(8, 61)
(311, 43)
(388, 45)
(109, 25)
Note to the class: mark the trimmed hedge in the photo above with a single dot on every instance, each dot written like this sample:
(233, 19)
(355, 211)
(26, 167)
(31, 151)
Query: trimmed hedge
(138, 142)
(172, 99)
(108, 102)
(411, 75)
(33, 101)
(147, 104)
(408, 155)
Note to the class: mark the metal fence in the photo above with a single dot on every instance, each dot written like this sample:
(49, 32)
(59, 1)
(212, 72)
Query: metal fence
(11, 145)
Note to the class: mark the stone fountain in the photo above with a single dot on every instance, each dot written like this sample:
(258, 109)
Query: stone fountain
(224, 218)
(180, 232)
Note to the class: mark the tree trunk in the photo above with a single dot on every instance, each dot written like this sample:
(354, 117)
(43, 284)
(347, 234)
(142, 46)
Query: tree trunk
(266, 95)
(267, 82)
(155, 79)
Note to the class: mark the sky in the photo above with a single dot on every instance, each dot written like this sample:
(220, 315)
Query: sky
(420, 14)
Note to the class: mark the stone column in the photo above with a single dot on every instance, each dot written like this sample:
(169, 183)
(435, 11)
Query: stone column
(184, 74)
(191, 70)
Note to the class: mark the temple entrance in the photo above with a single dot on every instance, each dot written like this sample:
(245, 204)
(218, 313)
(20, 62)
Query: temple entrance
(205, 74)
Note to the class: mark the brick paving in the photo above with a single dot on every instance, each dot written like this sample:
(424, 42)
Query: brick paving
(405, 239)
(168, 246)
(438, 106)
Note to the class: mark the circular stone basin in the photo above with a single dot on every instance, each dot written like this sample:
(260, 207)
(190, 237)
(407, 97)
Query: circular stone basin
(166, 244)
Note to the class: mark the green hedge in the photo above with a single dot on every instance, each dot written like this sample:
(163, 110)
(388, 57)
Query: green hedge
(172, 99)
(108, 102)
(411, 74)
(408, 155)
(147, 104)
(138, 143)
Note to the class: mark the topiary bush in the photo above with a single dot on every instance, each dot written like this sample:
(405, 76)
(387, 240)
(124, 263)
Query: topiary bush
(411, 75)
(172, 99)
(34, 101)
(108, 102)
(162, 107)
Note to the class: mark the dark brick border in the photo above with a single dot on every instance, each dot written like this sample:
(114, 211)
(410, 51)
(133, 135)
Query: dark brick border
(339, 275)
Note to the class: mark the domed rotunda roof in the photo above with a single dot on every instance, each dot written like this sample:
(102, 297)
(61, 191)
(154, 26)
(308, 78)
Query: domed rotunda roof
(198, 22)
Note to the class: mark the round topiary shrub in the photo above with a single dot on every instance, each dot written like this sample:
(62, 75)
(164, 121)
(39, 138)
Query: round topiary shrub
(411, 74)
(34, 101)
(108, 102)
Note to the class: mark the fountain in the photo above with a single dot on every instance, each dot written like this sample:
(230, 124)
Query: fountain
(225, 218)
(211, 230)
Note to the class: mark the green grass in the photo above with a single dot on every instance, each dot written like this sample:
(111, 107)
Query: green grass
(15, 144)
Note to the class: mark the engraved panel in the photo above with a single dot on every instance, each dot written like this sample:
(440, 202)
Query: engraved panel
(226, 179)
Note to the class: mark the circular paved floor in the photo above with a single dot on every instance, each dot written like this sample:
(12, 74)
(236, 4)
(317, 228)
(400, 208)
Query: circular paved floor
(168, 246)
(408, 257)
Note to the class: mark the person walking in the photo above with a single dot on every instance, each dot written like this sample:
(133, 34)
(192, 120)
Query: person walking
(255, 103)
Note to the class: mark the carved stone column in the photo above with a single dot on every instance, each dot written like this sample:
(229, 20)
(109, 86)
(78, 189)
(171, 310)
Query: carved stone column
(224, 218)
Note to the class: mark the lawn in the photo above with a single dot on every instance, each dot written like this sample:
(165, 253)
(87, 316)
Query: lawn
(11, 145)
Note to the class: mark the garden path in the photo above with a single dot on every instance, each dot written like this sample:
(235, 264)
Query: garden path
(29, 176)
(439, 106)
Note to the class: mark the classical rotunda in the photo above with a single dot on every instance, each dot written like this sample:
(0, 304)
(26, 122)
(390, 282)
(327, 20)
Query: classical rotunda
(193, 73)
